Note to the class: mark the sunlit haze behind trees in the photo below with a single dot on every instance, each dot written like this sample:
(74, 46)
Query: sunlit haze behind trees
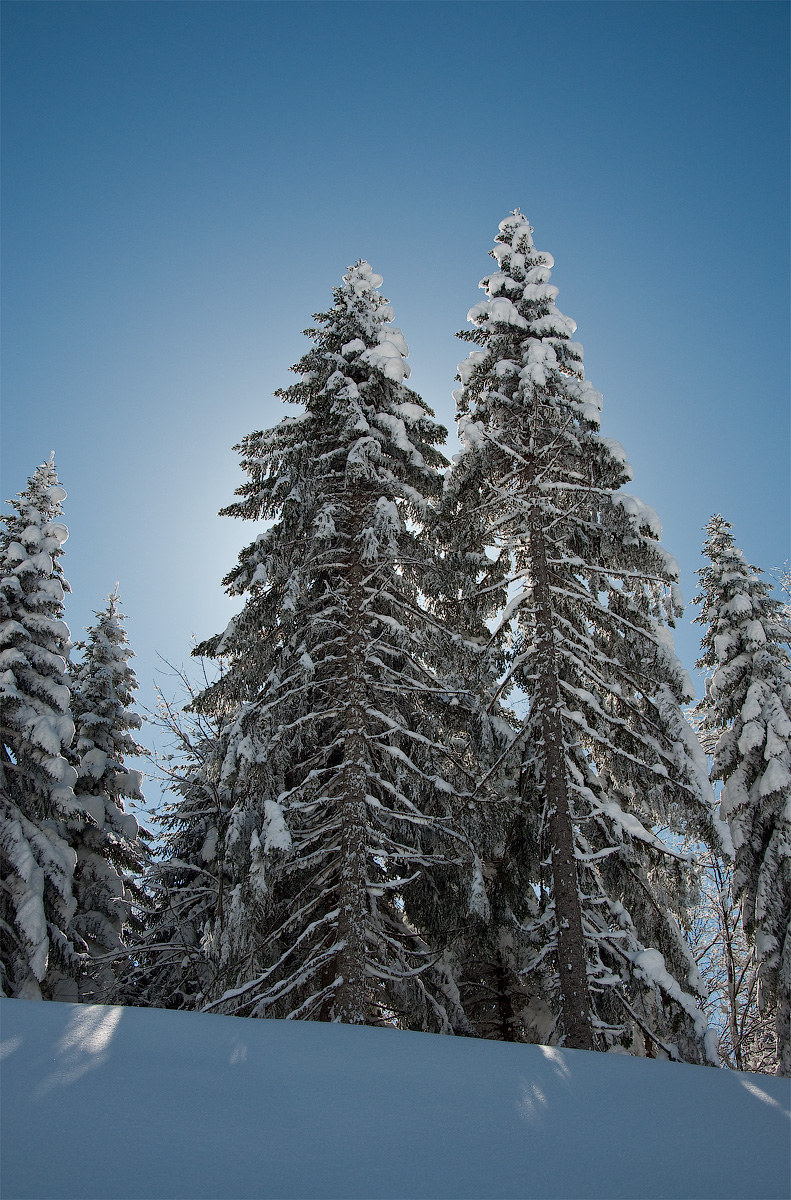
(184, 184)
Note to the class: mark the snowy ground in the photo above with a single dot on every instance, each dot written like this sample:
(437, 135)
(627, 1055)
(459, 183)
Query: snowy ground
(132, 1103)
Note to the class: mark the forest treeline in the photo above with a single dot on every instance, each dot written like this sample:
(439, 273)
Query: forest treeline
(443, 770)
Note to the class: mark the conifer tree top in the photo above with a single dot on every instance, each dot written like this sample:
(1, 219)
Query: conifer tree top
(35, 638)
(527, 360)
(734, 596)
(520, 313)
(361, 422)
(104, 686)
(32, 529)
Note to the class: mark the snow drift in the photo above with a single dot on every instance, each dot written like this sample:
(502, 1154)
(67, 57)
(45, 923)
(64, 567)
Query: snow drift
(143, 1103)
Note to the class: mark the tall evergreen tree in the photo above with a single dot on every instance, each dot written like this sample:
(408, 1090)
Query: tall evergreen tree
(110, 853)
(607, 757)
(746, 720)
(337, 723)
(41, 954)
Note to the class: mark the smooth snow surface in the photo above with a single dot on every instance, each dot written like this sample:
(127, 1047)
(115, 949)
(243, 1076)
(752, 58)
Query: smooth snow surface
(132, 1103)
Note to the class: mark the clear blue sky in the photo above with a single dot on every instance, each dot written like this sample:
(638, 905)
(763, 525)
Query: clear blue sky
(184, 183)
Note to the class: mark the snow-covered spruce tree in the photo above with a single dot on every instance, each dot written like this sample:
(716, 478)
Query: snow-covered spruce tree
(487, 944)
(465, 588)
(338, 728)
(40, 956)
(110, 853)
(174, 961)
(608, 758)
(490, 949)
(746, 722)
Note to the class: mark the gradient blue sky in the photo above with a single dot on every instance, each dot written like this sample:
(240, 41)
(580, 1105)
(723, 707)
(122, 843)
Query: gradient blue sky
(184, 183)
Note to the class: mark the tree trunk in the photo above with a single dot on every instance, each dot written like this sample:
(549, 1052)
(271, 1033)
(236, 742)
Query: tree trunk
(351, 999)
(728, 935)
(505, 1008)
(571, 943)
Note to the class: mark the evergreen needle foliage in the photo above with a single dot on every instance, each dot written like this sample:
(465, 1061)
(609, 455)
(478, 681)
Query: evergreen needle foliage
(335, 710)
(41, 951)
(607, 756)
(746, 725)
(110, 852)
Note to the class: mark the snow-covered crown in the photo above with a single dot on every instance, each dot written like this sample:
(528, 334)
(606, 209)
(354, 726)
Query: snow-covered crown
(361, 289)
(520, 306)
(514, 249)
(523, 276)
(43, 497)
(34, 536)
